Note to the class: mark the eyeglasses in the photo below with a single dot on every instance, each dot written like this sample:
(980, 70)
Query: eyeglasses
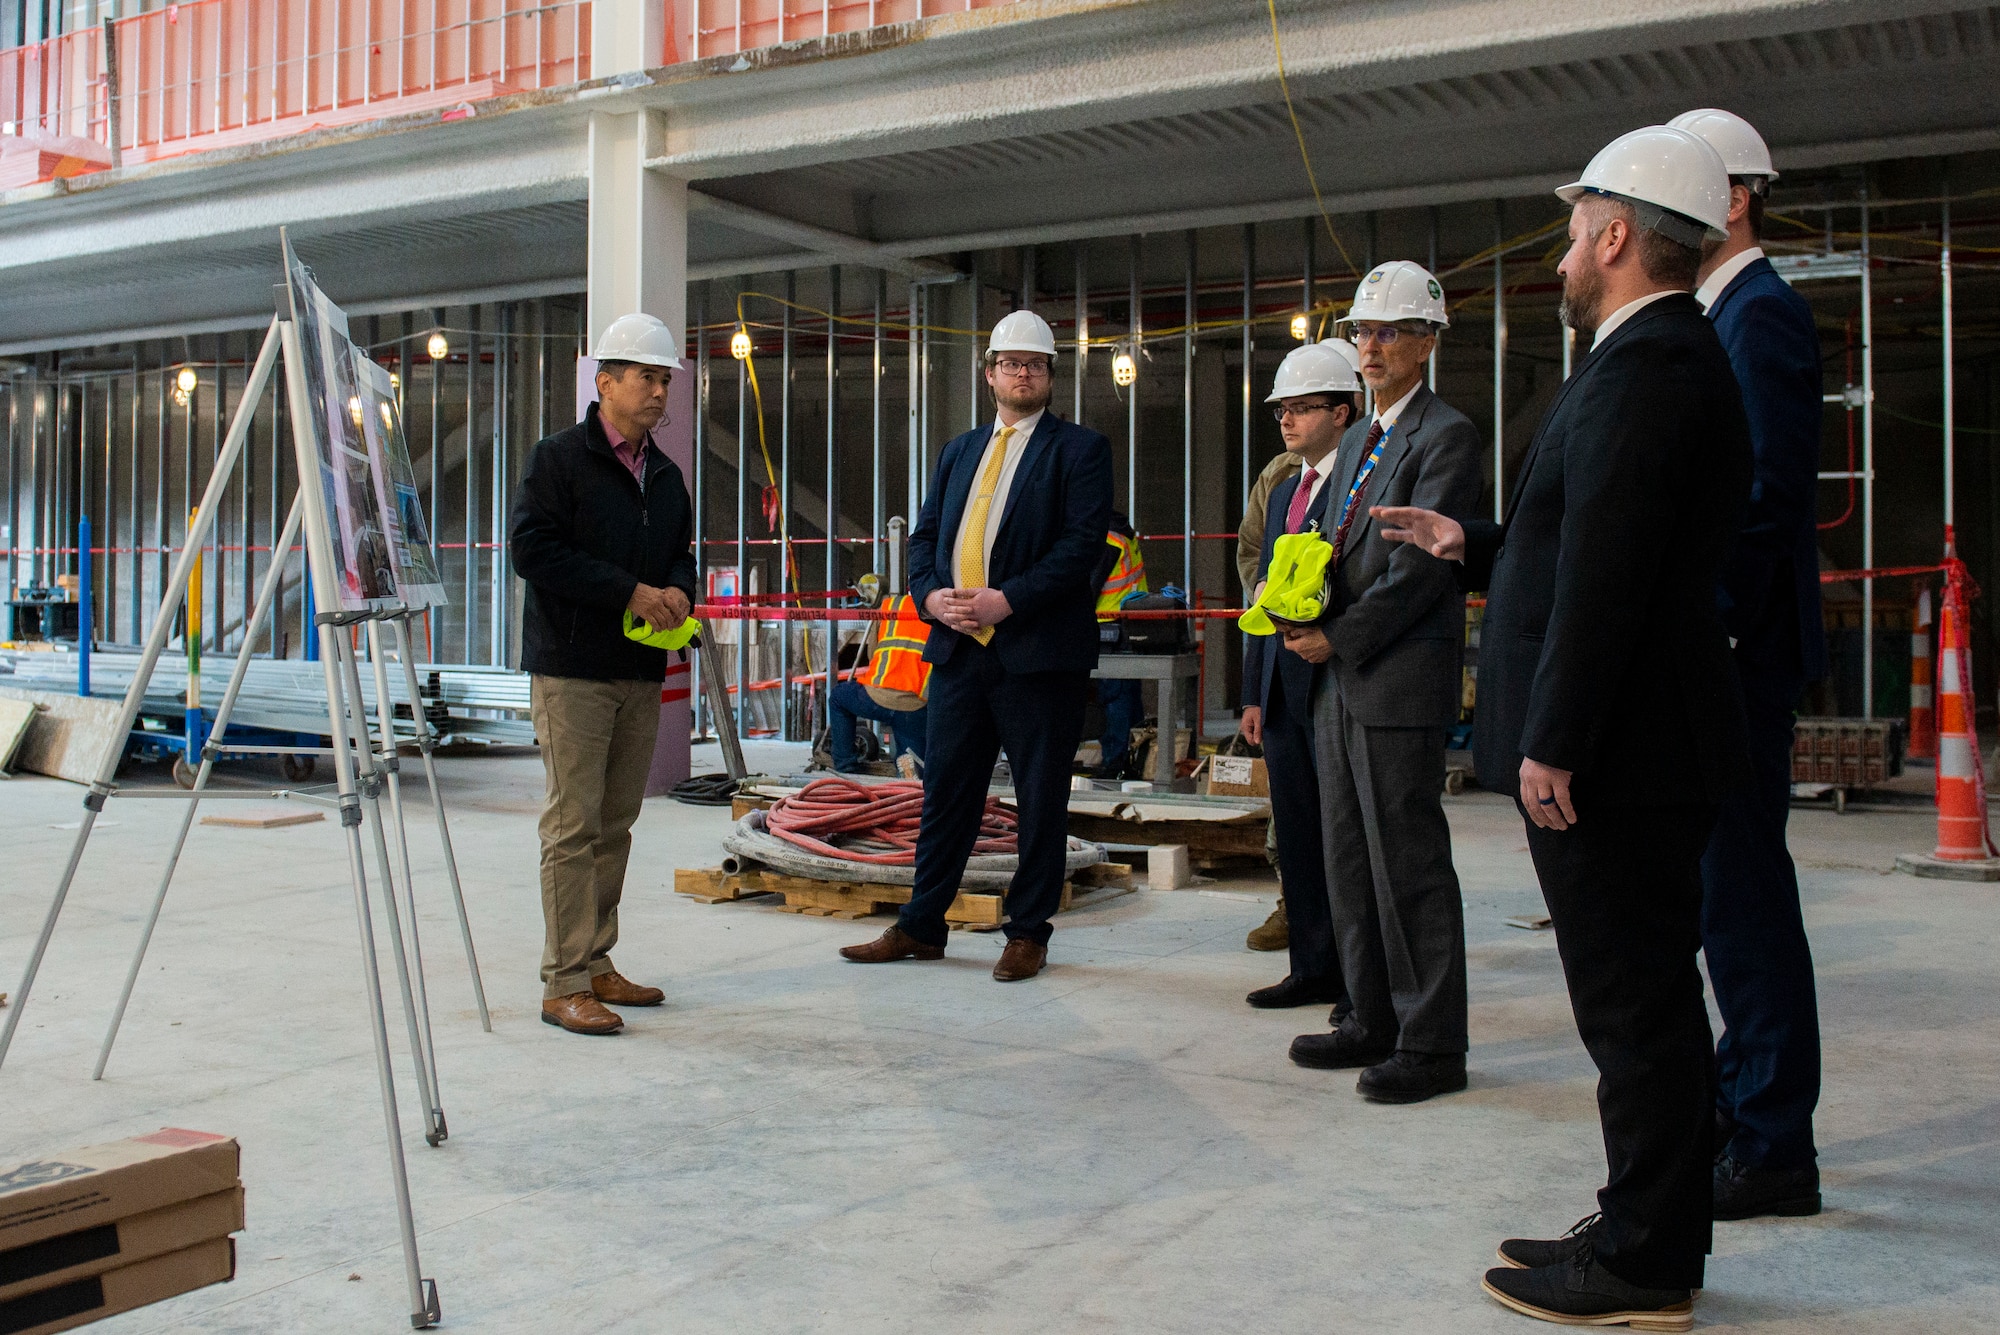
(1008, 366)
(1284, 410)
(1385, 334)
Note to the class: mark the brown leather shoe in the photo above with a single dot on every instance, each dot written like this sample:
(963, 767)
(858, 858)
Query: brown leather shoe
(894, 944)
(1021, 960)
(615, 989)
(580, 1013)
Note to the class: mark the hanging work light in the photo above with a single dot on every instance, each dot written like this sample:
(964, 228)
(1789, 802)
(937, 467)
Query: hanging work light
(439, 346)
(395, 382)
(739, 344)
(1301, 326)
(186, 380)
(181, 397)
(1124, 366)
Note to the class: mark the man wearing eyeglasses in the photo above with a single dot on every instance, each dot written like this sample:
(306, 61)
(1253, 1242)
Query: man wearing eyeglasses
(1315, 396)
(1391, 638)
(1003, 561)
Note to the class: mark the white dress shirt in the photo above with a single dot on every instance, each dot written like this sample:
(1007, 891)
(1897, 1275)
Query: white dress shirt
(1627, 311)
(1387, 416)
(1725, 274)
(1017, 445)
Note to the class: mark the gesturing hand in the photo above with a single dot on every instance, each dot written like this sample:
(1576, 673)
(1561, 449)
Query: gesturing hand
(1545, 795)
(1437, 534)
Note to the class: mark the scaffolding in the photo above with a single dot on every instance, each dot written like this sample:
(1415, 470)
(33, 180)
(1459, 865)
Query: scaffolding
(796, 489)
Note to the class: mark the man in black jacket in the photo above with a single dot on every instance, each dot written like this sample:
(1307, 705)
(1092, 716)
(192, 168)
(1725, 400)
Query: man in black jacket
(601, 526)
(1603, 637)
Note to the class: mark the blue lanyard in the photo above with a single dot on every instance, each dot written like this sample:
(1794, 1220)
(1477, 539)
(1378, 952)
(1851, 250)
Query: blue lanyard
(1361, 479)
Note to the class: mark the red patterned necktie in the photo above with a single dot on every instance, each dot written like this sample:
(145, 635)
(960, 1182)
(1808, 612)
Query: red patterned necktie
(1301, 501)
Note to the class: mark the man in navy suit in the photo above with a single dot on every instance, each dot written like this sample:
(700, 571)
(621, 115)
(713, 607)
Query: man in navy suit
(1316, 396)
(1003, 562)
(1759, 963)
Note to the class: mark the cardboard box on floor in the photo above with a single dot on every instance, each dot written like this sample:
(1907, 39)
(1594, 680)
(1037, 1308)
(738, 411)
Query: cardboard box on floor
(82, 1301)
(84, 1252)
(82, 1189)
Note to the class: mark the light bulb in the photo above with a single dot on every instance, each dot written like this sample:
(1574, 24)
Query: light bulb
(439, 346)
(187, 380)
(739, 344)
(180, 396)
(1124, 367)
(395, 381)
(1301, 326)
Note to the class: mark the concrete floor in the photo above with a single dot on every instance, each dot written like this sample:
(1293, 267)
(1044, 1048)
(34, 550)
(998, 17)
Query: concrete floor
(797, 1144)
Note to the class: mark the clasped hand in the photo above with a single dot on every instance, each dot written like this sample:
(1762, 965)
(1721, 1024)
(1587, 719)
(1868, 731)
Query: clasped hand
(968, 611)
(660, 609)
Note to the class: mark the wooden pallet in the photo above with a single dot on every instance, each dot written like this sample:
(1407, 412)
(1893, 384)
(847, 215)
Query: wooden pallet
(972, 911)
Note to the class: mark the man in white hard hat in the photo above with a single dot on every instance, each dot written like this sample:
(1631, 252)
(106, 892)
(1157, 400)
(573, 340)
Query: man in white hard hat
(1601, 633)
(1390, 640)
(1003, 561)
(1315, 396)
(601, 526)
(1753, 934)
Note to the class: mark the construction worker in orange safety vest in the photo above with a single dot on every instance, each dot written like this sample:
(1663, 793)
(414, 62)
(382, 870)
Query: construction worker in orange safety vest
(1124, 575)
(891, 689)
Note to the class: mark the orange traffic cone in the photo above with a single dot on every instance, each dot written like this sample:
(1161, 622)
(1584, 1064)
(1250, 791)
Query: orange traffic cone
(1965, 850)
(1923, 722)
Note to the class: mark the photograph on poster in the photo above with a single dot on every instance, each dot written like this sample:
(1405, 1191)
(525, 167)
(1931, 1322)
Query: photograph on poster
(418, 584)
(347, 488)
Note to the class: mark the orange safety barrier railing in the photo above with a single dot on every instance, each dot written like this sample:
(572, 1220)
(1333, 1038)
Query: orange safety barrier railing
(217, 73)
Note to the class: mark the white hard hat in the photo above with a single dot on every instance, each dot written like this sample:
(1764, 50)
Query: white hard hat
(1674, 179)
(1022, 331)
(1347, 350)
(1398, 290)
(1743, 150)
(639, 338)
(1313, 369)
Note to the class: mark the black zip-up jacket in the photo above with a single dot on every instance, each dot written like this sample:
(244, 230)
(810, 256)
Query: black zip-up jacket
(584, 533)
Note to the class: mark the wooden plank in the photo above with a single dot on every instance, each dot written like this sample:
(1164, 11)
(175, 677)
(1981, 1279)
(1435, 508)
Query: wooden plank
(972, 911)
(275, 819)
(1105, 873)
(712, 885)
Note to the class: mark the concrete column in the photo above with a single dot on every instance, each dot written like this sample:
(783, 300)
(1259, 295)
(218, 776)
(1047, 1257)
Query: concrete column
(638, 262)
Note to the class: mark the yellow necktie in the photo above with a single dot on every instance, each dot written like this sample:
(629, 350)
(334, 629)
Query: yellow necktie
(972, 553)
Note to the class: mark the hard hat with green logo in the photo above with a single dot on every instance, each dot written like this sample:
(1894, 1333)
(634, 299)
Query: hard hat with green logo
(1296, 592)
(1398, 290)
(671, 637)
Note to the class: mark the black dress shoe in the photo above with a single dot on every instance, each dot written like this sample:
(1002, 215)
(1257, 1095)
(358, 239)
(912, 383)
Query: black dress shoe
(1528, 1253)
(1412, 1077)
(1744, 1192)
(1293, 991)
(1338, 1051)
(1580, 1292)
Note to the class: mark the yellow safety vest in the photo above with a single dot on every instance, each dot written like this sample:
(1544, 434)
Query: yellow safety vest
(897, 664)
(1296, 591)
(1127, 577)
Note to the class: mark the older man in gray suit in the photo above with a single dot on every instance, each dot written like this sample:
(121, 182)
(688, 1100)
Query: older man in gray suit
(1392, 633)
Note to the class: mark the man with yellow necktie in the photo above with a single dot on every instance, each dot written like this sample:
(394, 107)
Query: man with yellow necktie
(1002, 561)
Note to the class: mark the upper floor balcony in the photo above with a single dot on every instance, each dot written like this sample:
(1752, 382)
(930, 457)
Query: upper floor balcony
(210, 74)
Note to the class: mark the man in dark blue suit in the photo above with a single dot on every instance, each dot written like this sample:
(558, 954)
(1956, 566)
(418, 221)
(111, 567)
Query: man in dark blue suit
(1003, 562)
(1759, 963)
(1316, 396)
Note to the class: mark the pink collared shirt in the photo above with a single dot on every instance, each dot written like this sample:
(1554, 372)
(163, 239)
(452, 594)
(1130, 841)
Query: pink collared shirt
(632, 456)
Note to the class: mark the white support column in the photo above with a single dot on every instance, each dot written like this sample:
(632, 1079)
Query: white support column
(638, 262)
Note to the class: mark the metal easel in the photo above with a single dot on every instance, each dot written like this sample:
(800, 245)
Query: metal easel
(363, 766)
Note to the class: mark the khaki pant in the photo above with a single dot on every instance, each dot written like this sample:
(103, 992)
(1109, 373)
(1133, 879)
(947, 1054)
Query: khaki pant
(597, 747)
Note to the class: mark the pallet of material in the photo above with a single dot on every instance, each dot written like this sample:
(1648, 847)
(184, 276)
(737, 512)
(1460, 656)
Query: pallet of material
(973, 911)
